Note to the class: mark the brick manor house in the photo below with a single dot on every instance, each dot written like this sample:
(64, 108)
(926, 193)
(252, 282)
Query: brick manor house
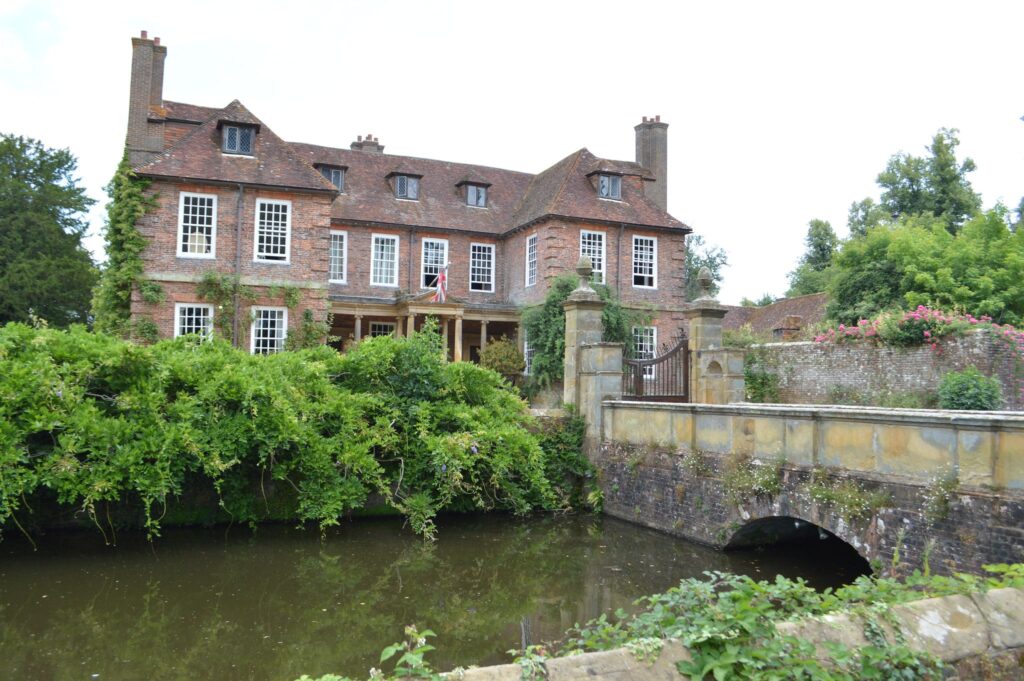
(363, 235)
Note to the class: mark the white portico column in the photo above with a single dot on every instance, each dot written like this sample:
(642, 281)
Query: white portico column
(483, 335)
(359, 327)
(412, 323)
(398, 326)
(444, 333)
(458, 339)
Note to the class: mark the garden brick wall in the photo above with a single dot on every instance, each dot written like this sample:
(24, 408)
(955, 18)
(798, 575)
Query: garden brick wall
(820, 373)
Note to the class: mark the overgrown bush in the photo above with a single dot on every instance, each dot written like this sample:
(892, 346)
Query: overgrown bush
(970, 389)
(502, 355)
(97, 420)
(761, 383)
(545, 327)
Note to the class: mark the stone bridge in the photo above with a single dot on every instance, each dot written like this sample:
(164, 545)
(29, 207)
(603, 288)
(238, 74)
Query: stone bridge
(899, 486)
(893, 484)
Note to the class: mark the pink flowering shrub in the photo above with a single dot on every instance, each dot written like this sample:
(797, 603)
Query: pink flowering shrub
(926, 326)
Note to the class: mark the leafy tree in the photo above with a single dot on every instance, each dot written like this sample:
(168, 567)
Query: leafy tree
(699, 254)
(864, 215)
(938, 184)
(815, 269)
(112, 299)
(44, 270)
(916, 261)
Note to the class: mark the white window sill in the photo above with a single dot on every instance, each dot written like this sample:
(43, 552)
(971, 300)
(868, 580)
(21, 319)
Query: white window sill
(271, 262)
(196, 256)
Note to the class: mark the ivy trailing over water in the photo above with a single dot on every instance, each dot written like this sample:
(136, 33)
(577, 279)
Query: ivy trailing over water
(96, 421)
(112, 299)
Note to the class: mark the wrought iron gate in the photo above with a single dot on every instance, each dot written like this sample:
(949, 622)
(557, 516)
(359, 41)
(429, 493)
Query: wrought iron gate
(664, 378)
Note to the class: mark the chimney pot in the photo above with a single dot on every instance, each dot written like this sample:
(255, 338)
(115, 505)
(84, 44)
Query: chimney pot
(657, 118)
(156, 41)
(145, 34)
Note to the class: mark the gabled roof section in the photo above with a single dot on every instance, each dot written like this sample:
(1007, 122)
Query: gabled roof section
(198, 156)
(566, 190)
(809, 308)
(192, 113)
(369, 197)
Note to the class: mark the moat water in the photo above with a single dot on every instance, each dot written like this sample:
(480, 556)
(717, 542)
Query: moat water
(229, 605)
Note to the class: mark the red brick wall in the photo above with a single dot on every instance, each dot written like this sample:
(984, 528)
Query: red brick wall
(308, 247)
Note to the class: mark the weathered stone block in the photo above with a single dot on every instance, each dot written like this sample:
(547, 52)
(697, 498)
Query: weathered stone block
(951, 628)
(1003, 609)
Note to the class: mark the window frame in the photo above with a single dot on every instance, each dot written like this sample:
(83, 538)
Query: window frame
(654, 262)
(476, 188)
(181, 227)
(327, 170)
(250, 130)
(407, 178)
(391, 325)
(604, 253)
(648, 371)
(614, 186)
(255, 310)
(344, 257)
(423, 260)
(532, 239)
(178, 307)
(287, 233)
(373, 247)
(493, 251)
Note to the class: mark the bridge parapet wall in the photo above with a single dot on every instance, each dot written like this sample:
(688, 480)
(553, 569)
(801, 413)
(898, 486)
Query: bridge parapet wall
(983, 449)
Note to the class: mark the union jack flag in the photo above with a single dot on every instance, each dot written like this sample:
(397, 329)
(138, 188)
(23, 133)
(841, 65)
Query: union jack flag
(441, 291)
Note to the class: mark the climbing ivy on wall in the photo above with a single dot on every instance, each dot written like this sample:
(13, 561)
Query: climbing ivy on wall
(111, 303)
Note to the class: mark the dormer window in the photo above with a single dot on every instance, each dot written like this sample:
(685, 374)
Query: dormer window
(335, 175)
(476, 196)
(609, 187)
(238, 139)
(407, 187)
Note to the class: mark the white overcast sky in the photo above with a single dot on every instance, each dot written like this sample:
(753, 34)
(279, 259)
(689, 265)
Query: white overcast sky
(779, 112)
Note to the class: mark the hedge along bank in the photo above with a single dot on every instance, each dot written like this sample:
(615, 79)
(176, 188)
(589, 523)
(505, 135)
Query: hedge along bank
(89, 421)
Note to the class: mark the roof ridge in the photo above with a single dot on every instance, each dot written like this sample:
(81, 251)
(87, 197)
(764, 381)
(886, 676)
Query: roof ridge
(166, 153)
(549, 206)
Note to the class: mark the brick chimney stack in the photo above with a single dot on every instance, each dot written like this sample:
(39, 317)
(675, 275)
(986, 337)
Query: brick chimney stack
(145, 137)
(652, 153)
(370, 145)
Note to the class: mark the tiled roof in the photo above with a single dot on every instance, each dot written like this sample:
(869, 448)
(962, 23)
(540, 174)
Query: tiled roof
(369, 197)
(564, 189)
(514, 199)
(810, 308)
(188, 112)
(198, 156)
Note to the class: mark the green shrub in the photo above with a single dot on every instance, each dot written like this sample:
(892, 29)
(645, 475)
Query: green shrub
(970, 389)
(502, 355)
(98, 420)
(760, 380)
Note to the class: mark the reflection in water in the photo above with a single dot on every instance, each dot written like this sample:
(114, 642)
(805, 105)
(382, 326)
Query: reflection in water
(205, 604)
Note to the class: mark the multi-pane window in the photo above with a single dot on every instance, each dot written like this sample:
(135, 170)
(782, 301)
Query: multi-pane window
(338, 257)
(528, 353)
(531, 260)
(645, 262)
(435, 256)
(335, 176)
(609, 187)
(592, 246)
(197, 225)
(481, 267)
(407, 187)
(238, 139)
(273, 228)
(193, 318)
(382, 329)
(269, 329)
(645, 342)
(476, 196)
(384, 264)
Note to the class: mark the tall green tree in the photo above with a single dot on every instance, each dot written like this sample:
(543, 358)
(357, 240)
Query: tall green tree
(864, 215)
(44, 270)
(814, 272)
(938, 184)
(700, 254)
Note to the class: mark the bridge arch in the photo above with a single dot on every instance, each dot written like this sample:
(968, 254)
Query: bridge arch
(792, 531)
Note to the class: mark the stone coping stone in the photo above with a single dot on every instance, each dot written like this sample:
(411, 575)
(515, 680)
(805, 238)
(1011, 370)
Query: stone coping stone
(950, 627)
